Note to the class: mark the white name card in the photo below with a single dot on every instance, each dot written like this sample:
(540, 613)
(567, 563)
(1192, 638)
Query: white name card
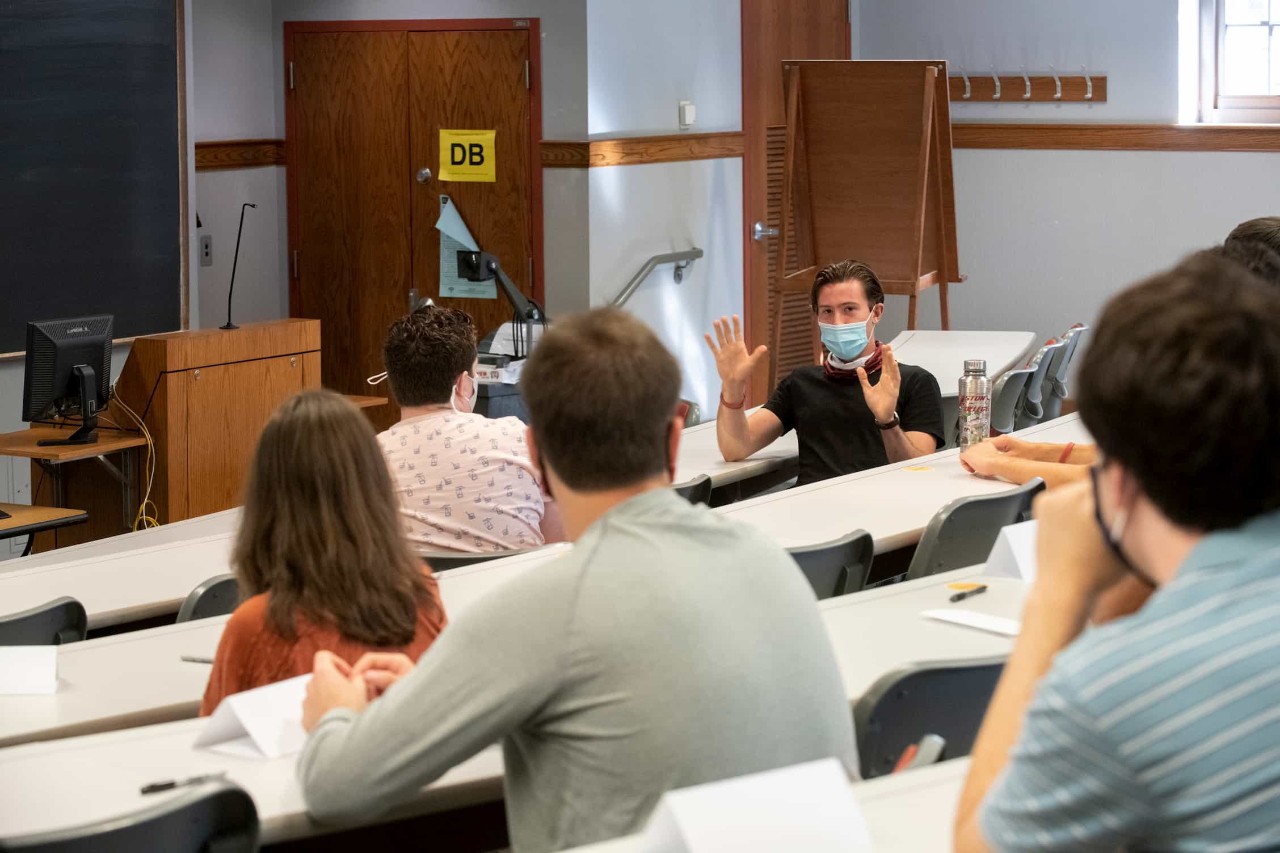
(807, 807)
(973, 619)
(27, 670)
(1014, 554)
(265, 722)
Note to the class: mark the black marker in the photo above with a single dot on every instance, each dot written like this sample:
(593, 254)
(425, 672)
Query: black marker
(170, 784)
(961, 596)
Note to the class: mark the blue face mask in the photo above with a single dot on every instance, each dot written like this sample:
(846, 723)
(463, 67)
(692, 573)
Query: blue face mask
(847, 341)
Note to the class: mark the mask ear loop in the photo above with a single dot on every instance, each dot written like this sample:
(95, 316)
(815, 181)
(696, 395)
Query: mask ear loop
(377, 378)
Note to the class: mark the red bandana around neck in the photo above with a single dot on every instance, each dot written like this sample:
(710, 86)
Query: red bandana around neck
(850, 375)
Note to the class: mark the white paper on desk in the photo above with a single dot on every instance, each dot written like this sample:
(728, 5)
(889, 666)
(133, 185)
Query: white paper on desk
(504, 340)
(26, 670)
(265, 722)
(974, 619)
(807, 807)
(1014, 554)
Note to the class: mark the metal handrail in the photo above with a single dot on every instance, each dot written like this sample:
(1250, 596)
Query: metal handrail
(680, 259)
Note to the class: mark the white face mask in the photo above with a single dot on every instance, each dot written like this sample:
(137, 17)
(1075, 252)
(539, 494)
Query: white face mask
(471, 401)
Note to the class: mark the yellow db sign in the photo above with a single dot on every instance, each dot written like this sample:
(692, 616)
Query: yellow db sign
(468, 155)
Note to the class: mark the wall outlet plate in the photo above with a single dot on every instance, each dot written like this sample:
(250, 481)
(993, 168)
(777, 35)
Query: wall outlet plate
(206, 250)
(688, 114)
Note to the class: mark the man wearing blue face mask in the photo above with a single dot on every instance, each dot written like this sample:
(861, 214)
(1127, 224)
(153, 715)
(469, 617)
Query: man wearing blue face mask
(858, 409)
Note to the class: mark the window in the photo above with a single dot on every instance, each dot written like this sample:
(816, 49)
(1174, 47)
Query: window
(1240, 60)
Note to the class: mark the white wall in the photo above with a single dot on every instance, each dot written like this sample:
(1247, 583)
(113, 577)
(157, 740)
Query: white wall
(231, 89)
(643, 58)
(1134, 42)
(1047, 236)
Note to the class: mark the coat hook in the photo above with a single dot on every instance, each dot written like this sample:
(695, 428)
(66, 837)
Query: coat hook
(1026, 95)
(996, 78)
(1057, 84)
(968, 93)
(1088, 84)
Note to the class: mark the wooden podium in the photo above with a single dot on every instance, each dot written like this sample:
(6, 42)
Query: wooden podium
(205, 396)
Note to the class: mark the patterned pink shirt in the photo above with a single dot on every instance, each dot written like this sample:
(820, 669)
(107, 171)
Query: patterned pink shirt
(465, 482)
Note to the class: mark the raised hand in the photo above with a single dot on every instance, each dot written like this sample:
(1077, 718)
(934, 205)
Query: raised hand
(733, 362)
(882, 398)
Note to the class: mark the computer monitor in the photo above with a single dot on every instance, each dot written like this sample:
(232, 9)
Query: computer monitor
(68, 373)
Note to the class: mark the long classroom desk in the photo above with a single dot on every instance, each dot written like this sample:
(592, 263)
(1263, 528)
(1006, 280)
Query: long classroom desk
(215, 524)
(893, 503)
(700, 454)
(61, 783)
(139, 678)
(909, 812)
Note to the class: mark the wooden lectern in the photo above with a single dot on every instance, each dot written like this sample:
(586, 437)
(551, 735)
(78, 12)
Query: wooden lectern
(205, 396)
(866, 175)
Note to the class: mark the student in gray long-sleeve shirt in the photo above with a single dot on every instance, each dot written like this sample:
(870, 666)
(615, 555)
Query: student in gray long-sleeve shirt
(671, 647)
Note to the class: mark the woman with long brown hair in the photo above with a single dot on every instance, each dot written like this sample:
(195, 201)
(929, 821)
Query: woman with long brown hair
(320, 558)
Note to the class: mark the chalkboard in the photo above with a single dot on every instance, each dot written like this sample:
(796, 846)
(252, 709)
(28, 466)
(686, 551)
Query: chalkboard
(90, 168)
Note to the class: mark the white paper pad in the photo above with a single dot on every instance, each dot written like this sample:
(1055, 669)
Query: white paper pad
(974, 619)
(1014, 554)
(265, 722)
(809, 807)
(455, 237)
(28, 670)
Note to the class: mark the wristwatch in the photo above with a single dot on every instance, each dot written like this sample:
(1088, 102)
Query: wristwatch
(893, 422)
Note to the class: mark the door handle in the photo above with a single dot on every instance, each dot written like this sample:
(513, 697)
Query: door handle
(423, 176)
(760, 233)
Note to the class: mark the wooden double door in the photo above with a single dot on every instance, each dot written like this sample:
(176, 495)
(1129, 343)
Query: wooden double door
(364, 111)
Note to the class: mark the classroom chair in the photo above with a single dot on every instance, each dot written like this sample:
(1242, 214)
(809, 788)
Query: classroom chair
(964, 531)
(946, 699)
(62, 620)
(216, 817)
(1032, 411)
(695, 491)
(837, 567)
(1056, 380)
(1006, 399)
(217, 596)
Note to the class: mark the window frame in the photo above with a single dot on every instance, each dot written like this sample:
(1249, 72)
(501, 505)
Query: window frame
(1216, 108)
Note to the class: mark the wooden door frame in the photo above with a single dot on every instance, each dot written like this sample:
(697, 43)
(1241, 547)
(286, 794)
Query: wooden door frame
(755, 306)
(533, 26)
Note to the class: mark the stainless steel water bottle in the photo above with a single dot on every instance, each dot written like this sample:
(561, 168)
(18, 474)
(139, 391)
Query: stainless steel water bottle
(975, 404)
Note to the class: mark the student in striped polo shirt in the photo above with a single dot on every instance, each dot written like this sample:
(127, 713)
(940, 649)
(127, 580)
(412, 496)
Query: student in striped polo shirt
(1159, 730)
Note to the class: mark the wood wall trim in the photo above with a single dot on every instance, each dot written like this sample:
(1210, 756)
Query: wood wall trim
(562, 154)
(637, 150)
(1117, 137)
(239, 154)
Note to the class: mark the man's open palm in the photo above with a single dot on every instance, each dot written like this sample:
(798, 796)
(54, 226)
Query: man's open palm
(733, 362)
(882, 398)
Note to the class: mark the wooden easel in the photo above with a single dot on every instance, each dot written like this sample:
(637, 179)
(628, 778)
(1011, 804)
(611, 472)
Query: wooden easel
(867, 175)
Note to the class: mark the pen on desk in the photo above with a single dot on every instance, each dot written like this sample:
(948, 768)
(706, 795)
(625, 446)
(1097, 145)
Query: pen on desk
(961, 596)
(170, 784)
(194, 659)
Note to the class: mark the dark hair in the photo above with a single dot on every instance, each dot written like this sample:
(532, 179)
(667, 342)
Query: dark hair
(1254, 256)
(321, 527)
(601, 391)
(842, 271)
(425, 351)
(1264, 229)
(1184, 391)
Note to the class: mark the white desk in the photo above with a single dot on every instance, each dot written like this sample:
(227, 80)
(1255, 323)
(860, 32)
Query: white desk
(139, 678)
(909, 812)
(893, 503)
(217, 524)
(944, 353)
(46, 785)
(700, 454)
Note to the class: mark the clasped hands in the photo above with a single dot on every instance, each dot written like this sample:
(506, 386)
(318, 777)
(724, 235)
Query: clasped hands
(337, 684)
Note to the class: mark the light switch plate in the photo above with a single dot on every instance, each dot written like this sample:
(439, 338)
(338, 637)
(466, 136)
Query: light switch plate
(688, 114)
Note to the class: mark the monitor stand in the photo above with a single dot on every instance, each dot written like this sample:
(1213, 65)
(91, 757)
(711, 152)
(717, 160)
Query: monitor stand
(88, 431)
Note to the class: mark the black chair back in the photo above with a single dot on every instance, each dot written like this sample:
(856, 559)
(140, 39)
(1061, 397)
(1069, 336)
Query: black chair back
(62, 620)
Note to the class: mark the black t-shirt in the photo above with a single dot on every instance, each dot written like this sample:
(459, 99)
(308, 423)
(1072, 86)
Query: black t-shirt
(836, 431)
